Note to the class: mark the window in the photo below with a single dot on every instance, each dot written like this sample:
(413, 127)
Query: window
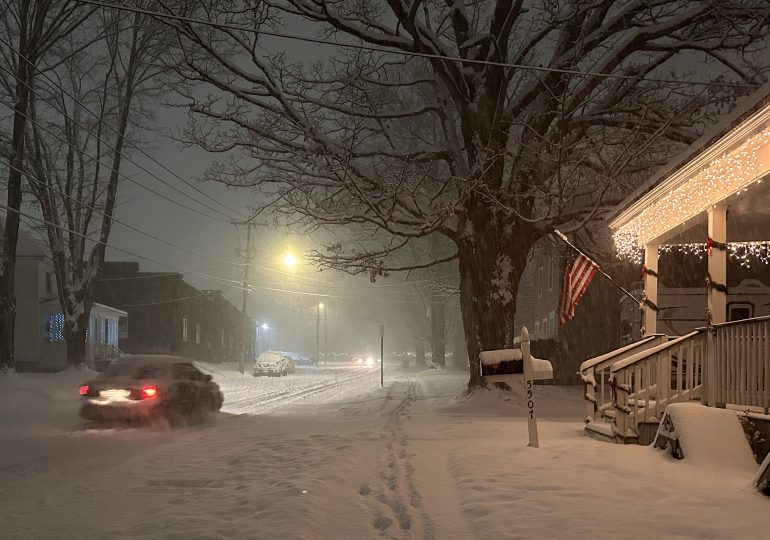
(740, 311)
(549, 273)
(184, 329)
(552, 323)
(546, 328)
(112, 332)
(91, 330)
(54, 328)
(223, 337)
(537, 329)
(197, 333)
(49, 282)
(539, 281)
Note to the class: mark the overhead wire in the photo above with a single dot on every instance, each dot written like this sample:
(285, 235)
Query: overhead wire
(106, 244)
(33, 178)
(416, 54)
(111, 169)
(106, 124)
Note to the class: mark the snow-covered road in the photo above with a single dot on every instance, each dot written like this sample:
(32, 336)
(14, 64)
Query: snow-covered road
(328, 454)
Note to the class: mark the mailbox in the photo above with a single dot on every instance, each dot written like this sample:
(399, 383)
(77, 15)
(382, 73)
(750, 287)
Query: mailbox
(507, 365)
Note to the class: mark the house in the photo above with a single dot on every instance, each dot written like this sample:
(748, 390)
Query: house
(167, 315)
(537, 304)
(709, 206)
(38, 340)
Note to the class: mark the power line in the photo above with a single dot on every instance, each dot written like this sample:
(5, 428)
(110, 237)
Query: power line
(113, 170)
(430, 56)
(126, 139)
(116, 220)
(52, 224)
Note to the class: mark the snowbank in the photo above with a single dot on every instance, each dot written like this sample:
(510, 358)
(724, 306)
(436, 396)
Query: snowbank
(709, 438)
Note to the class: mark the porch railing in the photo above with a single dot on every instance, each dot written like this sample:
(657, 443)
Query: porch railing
(739, 364)
(596, 375)
(728, 365)
(644, 384)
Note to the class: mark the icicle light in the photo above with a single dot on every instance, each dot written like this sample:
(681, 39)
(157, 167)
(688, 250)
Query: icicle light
(727, 175)
(741, 252)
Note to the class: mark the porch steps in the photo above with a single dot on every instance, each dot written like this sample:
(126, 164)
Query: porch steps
(602, 431)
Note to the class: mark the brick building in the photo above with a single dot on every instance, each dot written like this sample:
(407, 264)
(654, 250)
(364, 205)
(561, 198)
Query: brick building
(167, 315)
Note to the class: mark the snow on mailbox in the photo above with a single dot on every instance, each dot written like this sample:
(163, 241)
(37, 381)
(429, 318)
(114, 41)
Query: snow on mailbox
(517, 366)
(507, 365)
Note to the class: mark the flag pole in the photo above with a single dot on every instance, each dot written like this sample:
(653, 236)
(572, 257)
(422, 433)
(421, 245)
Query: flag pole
(564, 239)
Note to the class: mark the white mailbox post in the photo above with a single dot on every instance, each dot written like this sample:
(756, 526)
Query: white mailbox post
(516, 367)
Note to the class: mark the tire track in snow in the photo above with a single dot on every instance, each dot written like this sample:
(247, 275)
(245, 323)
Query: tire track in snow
(270, 400)
(399, 498)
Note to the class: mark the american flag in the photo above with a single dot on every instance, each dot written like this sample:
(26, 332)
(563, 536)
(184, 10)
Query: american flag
(577, 276)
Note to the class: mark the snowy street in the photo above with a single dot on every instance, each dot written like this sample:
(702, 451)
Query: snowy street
(328, 454)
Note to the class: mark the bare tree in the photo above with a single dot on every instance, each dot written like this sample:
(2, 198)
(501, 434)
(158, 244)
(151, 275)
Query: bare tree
(30, 29)
(489, 122)
(75, 156)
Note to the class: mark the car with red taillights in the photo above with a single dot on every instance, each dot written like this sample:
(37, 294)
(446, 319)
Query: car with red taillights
(146, 388)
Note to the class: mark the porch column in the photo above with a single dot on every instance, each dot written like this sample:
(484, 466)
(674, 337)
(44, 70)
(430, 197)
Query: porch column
(717, 264)
(650, 318)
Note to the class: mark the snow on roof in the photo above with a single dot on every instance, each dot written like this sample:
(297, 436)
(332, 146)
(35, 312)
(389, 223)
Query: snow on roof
(740, 112)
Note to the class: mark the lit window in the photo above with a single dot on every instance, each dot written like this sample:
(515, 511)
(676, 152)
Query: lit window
(184, 329)
(197, 333)
(112, 332)
(54, 328)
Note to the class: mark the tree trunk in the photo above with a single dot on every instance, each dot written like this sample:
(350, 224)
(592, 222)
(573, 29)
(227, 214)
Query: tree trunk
(437, 332)
(491, 264)
(419, 352)
(75, 336)
(11, 229)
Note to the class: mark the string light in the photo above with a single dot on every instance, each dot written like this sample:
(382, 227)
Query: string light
(55, 327)
(741, 252)
(727, 175)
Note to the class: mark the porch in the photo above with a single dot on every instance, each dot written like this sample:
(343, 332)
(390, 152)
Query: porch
(711, 203)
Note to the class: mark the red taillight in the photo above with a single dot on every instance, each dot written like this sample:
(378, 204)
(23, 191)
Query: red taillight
(84, 390)
(149, 391)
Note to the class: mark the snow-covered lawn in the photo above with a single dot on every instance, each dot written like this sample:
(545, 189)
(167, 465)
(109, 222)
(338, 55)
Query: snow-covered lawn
(331, 455)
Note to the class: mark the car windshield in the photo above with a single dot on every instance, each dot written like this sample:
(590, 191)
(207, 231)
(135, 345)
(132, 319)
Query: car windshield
(134, 371)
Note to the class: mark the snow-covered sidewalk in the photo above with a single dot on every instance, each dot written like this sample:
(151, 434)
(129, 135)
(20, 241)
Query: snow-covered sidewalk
(354, 461)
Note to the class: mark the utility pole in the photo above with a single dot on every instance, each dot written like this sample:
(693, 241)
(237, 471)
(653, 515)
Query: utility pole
(326, 333)
(382, 356)
(245, 285)
(317, 333)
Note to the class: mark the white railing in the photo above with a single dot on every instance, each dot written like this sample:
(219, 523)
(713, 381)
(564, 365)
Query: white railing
(596, 375)
(739, 364)
(644, 384)
(728, 365)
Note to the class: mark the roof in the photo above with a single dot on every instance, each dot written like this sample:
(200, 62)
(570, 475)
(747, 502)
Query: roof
(742, 111)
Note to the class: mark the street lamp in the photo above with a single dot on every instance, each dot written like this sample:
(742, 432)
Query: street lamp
(263, 327)
(289, 260)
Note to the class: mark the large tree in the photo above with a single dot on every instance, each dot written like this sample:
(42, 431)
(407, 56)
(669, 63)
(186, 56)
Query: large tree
(488, 121)
(29, 30)
(81, 113)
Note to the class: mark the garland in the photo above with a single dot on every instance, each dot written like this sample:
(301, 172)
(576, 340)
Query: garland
(711, 284)
(648, 272)
(646, 302)
(710, 322)
(711, 243)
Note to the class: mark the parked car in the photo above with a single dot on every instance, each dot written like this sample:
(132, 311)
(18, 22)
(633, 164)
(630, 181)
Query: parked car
(271, 363)
(145, 388)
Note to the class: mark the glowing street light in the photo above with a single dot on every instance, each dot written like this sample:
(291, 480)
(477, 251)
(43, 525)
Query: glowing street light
(289, 260)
